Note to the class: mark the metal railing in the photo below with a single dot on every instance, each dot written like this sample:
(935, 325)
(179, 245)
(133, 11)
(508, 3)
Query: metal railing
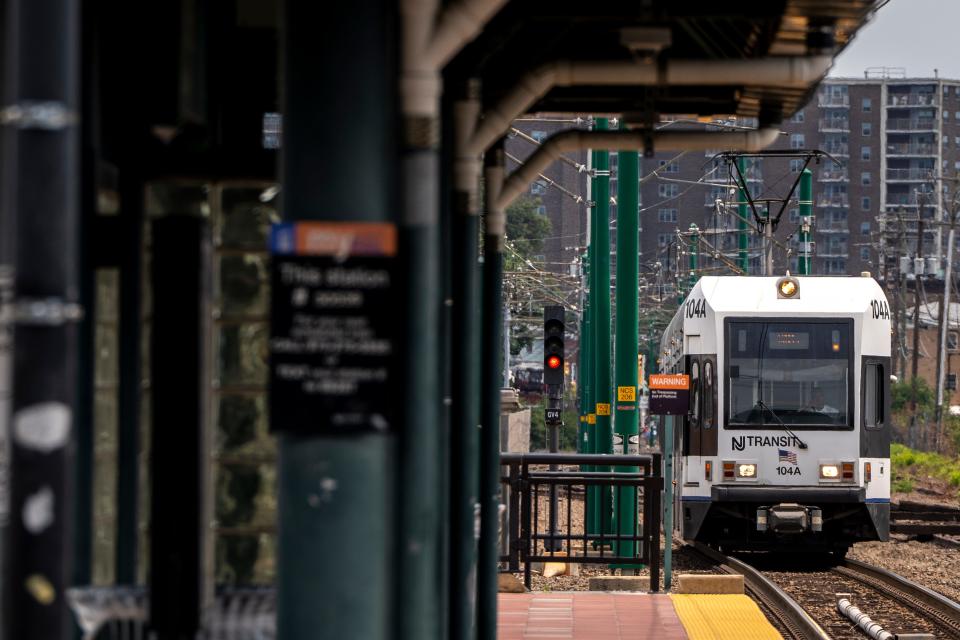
(833, 100)
(834, 124)
(837, 148)
(912, 148)
(910, 174)
(834, 175)
(911, 124)
(912, 100)
(833, 200)
(528, 536)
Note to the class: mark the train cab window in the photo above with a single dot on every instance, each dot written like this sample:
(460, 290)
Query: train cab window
(873, 395)
(796, 373)
(709, 396)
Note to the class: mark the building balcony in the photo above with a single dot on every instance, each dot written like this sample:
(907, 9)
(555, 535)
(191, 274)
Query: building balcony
(834, 175)
(833, 200)
(911, 149)
(834, 124)
(830, 100)
(837, 149)
(833, 253)
(909, 175)
(911, 200)
(828, 226)
(911, 124)
(913, 100)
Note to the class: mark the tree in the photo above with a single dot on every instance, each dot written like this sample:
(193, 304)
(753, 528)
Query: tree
(526, 230)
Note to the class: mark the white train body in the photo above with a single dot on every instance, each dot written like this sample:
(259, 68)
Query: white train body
(787, 441)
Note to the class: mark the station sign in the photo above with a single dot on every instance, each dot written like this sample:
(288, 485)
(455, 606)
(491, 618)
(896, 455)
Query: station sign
(552, 416)
(333, 329)
(669, 394)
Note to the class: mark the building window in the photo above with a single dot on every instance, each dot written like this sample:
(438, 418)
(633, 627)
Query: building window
(539, 136)
(864, 153)
(956, 115)
(956, 140)
(864, 253)
(794, 216)
(865, 203)
(946, 114)
(663, 239)
(542, 210)
(956, 166)
(865, 128)
(667, 215)
(946, 90)
(797, 141)
(956, 90)
(864, 228)
(673, 167)
(865, 178)
(668, 190)
(538, 188)
(798, 116)
(946, 141)
(866, 105)
(953, 341)
(796, 165)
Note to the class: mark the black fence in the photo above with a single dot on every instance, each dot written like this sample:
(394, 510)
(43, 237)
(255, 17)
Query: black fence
(535, 531)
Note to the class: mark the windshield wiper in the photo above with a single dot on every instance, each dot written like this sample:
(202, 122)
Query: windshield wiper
(800, 443)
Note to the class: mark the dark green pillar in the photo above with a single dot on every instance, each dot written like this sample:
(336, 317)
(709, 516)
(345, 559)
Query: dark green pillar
(806, 222)
(492, 361)
(584, 385)
(338, 494)
(600, 265)
(628, 268)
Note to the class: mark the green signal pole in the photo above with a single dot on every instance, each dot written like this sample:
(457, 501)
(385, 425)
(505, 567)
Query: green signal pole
(694, 255)
(667, 501)
(600, 266)
(742, 222)
(584, 384)
(628, 268)
(806, 221)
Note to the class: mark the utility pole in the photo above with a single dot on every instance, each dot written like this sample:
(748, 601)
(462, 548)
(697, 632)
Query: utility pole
(694, 255)
(768, 245)
(916, 337)
(628, 274)
(742, 219)
(944, 324)
(806, 222)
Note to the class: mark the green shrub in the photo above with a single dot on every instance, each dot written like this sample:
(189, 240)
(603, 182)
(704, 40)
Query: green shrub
(901, 485)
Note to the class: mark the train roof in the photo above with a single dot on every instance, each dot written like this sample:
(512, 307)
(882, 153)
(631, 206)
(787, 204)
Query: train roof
(758, 294)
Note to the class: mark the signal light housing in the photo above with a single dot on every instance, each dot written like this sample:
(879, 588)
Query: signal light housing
(553, 335)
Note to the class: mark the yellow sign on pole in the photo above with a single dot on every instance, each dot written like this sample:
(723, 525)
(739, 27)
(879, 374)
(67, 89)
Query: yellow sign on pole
(603, 408)
(626, 394)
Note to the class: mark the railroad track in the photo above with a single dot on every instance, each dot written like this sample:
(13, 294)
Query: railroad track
(924, 520)
(801, 596)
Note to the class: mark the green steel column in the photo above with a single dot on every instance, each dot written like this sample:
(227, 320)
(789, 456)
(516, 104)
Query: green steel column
(601, 266)
(806, 221)
(338, 494)
(628, 282)
(694, 256)
(464, 432)
(742, 221)
(667, 501)
(492, 379)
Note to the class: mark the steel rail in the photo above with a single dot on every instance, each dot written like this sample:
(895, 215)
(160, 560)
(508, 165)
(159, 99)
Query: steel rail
(940, 608)
(788, 611)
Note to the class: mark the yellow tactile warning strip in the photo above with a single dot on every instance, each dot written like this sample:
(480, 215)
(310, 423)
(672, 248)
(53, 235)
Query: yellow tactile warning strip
(722, 617)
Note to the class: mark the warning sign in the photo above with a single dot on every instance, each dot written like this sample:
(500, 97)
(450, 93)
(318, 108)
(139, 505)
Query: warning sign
(669, 394)
(603, 408)
(626, 394)
(591, 418)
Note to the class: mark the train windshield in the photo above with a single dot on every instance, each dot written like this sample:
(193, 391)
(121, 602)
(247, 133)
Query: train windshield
(797, 373)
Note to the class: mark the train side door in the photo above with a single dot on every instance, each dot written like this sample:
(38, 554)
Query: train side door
(709, 421)
(692, 422)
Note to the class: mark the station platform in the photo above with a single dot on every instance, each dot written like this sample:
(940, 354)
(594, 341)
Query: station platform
(589, 615)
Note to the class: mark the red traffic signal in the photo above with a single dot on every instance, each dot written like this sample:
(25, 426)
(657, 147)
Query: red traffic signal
(554, 362)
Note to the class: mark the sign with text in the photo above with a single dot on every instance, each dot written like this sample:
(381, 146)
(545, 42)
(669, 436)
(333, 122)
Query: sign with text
(333, 338)
(669, 394)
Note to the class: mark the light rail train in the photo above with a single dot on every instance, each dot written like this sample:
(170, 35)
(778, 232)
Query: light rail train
(786, 444)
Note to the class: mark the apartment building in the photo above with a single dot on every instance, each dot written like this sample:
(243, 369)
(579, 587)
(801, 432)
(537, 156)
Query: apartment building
(890, 140)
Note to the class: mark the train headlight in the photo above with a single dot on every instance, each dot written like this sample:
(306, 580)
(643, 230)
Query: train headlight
(746, 470)
(788, 287)
(829, 471)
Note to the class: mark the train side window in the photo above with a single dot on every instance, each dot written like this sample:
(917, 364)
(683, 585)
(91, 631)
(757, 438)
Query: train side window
(873, 397)
(695, 392)
(709, 395)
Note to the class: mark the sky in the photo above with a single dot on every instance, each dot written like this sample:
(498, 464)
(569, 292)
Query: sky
(921, 35)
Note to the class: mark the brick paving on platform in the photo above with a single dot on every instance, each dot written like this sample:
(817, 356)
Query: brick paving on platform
(585, 615)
